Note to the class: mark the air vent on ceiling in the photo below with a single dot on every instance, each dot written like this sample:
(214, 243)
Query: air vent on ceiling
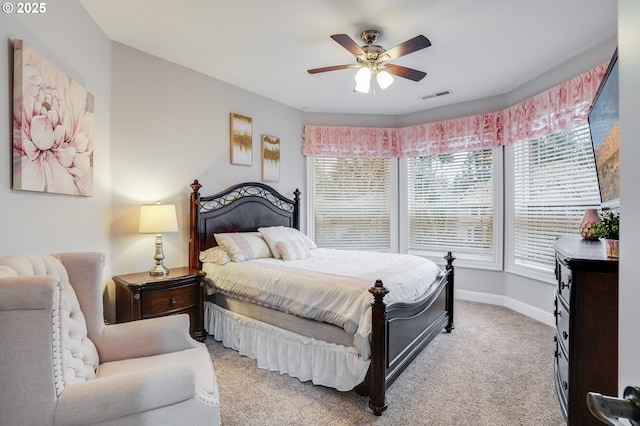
(435, 95)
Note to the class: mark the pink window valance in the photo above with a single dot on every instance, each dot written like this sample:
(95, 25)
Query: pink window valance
(558, 108)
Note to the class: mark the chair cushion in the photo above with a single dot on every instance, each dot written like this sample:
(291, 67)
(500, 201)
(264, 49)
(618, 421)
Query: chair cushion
(79, 355)
(198, 357)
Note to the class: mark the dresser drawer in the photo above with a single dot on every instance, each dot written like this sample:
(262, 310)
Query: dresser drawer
(561, 378)
(562, 324)
(165, 301)
(564, 282)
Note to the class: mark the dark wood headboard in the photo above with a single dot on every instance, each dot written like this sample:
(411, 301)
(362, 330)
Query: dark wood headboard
(244, 207)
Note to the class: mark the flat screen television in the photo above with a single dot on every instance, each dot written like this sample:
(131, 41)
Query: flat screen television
(605, 136)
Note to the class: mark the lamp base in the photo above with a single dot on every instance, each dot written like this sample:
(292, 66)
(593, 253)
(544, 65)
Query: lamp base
(160, 270)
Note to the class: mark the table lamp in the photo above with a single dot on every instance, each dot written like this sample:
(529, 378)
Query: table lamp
(156, 219)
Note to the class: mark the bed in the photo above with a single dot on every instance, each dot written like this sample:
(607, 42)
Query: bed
(365, 355)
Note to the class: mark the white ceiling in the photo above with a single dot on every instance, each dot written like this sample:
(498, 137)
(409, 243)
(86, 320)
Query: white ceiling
(480, 48)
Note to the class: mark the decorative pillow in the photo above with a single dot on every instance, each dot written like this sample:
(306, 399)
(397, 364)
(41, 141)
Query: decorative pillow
(243, 246)
(293, 250)
(273, 234)
(215, 255)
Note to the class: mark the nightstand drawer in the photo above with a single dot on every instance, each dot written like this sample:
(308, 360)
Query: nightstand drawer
(167, 301)
(141, 295)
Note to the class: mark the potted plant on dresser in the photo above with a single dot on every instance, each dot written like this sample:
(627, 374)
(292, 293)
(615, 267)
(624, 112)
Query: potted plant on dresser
(608, 229)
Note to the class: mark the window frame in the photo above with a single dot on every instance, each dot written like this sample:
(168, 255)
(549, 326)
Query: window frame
(393, 210)
(493, 261)
(515, 266)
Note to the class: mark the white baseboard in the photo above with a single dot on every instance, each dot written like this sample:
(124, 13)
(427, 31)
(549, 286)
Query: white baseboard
(537, 314)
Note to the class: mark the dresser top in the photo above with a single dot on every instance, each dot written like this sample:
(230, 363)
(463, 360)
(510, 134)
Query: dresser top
(575, 251)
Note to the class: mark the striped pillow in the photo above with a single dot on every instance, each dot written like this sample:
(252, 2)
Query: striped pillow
(243, 246)
(216, 255)
(293, 249)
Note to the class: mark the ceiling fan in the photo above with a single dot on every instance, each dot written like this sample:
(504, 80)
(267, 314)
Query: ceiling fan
(373, 60)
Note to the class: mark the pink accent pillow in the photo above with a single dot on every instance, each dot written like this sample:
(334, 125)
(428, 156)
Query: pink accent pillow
(293, 250)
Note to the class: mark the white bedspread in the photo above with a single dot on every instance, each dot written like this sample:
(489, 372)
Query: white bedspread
(330, 286)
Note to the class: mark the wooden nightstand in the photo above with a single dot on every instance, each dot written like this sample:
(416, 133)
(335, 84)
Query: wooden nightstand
(141, 295)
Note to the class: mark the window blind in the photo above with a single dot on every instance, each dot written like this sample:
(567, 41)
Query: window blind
(450, 202)
(554, 182)
(352, 203)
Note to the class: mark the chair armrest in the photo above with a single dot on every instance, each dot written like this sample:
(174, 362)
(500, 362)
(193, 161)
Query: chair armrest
(146, 337)
(28, 292)
(110, 398)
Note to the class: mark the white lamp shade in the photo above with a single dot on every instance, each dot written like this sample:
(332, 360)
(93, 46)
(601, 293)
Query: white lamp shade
(158, 218)
(384, 79)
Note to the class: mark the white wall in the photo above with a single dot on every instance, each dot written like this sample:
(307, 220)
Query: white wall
(629, 68)
(45, 223)
(170, 125)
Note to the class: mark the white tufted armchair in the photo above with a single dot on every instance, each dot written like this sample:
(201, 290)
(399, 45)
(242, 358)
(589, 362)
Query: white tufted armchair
(61, 365)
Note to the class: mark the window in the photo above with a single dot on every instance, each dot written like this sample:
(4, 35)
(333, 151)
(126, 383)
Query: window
(352, 203)
(553, 182)
(451, 206)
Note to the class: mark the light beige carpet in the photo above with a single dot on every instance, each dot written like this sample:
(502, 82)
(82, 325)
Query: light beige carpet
(495, 368)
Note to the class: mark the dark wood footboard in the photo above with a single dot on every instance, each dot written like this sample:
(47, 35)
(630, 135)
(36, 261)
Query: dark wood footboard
(400, 331)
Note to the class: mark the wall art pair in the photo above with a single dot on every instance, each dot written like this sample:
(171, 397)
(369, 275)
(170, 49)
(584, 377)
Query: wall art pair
(241, 147)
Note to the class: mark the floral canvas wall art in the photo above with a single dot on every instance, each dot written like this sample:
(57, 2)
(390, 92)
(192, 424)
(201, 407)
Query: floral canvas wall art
(52, 127)
(241, 140)
(270, 158)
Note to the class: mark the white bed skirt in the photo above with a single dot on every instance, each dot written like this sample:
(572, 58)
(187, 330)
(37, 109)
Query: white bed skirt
(275, 349)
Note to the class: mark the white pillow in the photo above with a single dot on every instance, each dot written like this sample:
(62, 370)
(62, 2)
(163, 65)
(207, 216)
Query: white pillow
(215, 255)
(293, 250)
(243, 246)
(273, 234)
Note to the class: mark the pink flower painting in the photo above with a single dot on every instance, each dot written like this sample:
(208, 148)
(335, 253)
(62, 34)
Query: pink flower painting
(52, 127)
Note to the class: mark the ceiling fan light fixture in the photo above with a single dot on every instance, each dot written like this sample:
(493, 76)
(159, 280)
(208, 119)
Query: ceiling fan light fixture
(363, 75)
(362, 87)
(384, 79)
(363, 80)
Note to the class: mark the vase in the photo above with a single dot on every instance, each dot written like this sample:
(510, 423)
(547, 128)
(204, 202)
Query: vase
(612, 247)
(589, 219)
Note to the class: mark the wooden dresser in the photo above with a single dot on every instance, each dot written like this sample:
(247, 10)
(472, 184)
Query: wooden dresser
(586, 311)
(141, 295)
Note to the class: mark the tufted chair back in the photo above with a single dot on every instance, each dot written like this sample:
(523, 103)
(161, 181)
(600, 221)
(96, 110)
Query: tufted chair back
(75, 356)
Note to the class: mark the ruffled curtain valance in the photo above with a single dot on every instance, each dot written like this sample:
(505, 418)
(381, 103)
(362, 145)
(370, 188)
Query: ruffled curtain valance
(558, 108)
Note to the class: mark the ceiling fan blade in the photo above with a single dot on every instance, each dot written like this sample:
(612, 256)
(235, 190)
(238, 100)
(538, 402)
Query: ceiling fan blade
(348, 43)
(405, 72)
(331, 68)
(409, 46)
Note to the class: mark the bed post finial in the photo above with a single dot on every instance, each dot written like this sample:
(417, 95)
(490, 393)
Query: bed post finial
(195, 186)
(377, 398)
(450, 288)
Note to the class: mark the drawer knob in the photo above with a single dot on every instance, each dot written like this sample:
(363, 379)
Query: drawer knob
(562, 285)
(565, 335)
(173, 300)
(565, 385)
